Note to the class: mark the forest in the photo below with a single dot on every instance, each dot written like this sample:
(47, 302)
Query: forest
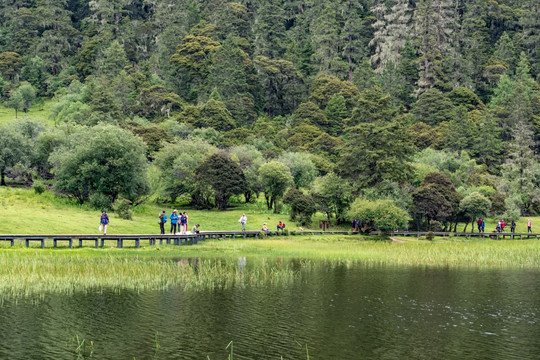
(418, 114)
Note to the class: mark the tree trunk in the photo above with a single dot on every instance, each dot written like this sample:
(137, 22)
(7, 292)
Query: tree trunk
(472, 225)
(466, 224)
(3, 181)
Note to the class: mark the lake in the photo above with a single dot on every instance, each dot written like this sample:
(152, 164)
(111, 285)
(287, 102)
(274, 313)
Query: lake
(332, 310)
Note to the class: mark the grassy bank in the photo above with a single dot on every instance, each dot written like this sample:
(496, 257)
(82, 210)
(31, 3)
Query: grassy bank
(37, 112)
(27, 272)
(22, 211)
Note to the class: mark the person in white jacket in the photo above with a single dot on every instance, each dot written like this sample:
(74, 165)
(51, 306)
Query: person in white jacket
(243, 221)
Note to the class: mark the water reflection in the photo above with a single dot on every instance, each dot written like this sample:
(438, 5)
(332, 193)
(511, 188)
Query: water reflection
(339, 310)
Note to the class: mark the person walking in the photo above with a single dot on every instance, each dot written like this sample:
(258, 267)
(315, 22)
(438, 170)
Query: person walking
(513, 226)
(503, 225)
(174, 221)
(162, 221)
(529, 226)
(483, 225)
(479, 223)
(104, 221)
(243, 221)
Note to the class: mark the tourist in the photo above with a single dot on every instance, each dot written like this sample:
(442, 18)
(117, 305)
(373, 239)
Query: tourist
(498, 228)
(174, 221)
(503, 225)
(186, 224)
(529, 226)
(243, 221)
(195, 229)
(183, 222)
(483, 225)
(104, 221)
(355, 224)
(479, 223)
(513, 226)
(265, 229)
(162, 221)
(280, 226)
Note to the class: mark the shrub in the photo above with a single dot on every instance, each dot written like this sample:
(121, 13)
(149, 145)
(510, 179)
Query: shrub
(123, 208)
(100, 201)
(429, 235)
(436, 226)
(380, 215)
(39, 187)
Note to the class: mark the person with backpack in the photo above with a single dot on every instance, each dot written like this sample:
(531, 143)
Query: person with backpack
(162, 221)
(513, 226)
(479, 223)
(174, 220)
(483, 225)
(529, 226)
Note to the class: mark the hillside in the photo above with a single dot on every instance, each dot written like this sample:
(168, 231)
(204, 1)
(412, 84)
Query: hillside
(402, 114)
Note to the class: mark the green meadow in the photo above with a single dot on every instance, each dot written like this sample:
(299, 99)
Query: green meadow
(38, 112)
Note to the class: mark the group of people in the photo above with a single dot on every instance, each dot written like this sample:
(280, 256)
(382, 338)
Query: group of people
(243, 220)
(501, 226)
(179, 223)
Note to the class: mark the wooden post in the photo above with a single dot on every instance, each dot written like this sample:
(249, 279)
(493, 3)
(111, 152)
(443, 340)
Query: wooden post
(102, 242)
(27, 243)
(137, 242)
(119, 243)
(54, 242)
(80, 243)
(42, 243)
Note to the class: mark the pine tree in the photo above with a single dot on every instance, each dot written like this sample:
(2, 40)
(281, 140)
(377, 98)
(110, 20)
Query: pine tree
(530, 37)
(521, 168)
(269, 30)
(325, 30)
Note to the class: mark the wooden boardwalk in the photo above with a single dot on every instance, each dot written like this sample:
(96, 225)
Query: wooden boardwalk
(490, 235)
(136, 239)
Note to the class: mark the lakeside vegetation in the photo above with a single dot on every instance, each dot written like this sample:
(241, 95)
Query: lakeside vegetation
(29, 272)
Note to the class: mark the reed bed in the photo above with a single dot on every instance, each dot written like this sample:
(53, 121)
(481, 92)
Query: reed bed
(239, 263)
(39, 274)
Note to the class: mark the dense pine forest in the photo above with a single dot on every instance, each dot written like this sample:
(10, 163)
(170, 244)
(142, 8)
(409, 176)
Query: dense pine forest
(385, 111)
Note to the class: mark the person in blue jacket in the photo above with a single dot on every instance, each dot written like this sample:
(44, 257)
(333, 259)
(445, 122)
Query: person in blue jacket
(104, 221)
(162, 221)
(174, 221)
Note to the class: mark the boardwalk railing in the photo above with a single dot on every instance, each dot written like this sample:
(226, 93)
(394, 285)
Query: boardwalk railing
(491, 235)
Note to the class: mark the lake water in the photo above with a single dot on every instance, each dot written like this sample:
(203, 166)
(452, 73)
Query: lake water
(336, 311)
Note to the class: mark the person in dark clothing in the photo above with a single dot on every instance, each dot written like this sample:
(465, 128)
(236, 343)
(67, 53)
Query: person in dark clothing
(104, 221)
(513, 226)
(162, 221)
(174, 220)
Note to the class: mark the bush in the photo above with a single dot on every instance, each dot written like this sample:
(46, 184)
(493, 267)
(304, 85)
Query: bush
(380, 215)
(39, 187)
(436, 226)
(100, 201)
(123, 208)
(429, 235)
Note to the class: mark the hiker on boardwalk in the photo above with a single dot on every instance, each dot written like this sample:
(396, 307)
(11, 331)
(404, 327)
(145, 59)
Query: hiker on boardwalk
(513, 226)
(195, 229)
(162, 221)
(479, 223)
(174, 221)
(243, 221)
(186, 224)
(183, 223)
(483, 225)
(503, 225)
(104, 221)
(280, 226)
(529, 226)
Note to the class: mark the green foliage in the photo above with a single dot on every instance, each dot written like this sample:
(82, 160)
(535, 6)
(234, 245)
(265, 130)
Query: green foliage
(223, 175)
(379, 215)
(433, 108)
(302, 206)
(475, 205)
(39, 187)
(332, 195)
(275, 179)
(302, 168)
(103, 161)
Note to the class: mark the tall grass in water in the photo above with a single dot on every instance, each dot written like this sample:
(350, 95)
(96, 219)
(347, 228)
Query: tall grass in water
(22, 276)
